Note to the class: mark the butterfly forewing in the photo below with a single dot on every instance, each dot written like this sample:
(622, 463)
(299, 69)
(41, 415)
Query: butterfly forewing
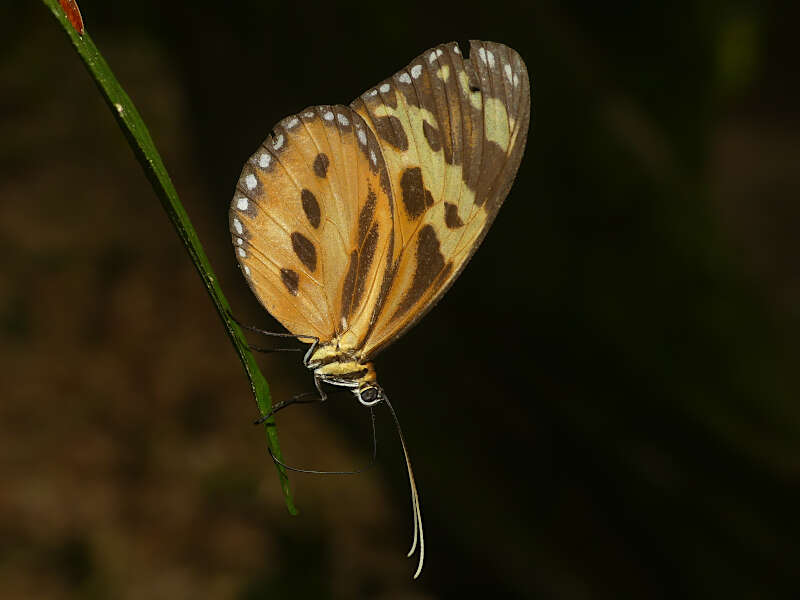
(452, 132)
(312, 221)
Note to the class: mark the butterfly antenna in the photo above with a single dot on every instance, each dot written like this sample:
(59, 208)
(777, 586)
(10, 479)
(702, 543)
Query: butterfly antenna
(415, 505)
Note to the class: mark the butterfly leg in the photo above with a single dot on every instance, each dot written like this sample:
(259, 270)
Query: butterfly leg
(268, 350)
(355, 472)
(318, 384)
(298, 399)
(273, 333)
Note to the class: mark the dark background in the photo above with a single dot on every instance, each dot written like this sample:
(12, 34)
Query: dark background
(605, 405)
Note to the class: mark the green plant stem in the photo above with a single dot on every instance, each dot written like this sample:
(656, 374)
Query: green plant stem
(144, 149)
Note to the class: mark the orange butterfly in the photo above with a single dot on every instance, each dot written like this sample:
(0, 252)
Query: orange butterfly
(349, 223)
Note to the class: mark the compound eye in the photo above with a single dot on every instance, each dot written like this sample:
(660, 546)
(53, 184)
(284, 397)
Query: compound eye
(369, 395)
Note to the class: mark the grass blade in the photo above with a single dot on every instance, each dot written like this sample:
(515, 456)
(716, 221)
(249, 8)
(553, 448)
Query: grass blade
(132, 125)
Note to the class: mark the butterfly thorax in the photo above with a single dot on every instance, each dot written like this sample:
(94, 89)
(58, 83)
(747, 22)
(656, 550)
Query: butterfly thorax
(336, 365)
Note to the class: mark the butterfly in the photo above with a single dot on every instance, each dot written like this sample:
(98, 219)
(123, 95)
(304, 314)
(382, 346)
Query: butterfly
(350, 222)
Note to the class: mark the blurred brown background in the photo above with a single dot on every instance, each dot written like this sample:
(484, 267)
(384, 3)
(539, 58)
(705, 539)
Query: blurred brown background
(614, 416)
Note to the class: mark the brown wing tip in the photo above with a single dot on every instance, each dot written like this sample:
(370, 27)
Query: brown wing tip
(501, 60)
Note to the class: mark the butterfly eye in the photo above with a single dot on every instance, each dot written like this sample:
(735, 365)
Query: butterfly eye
(369, 395)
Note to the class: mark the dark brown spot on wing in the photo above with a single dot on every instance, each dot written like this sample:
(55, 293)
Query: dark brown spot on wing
(366, 215)
(321, 163)
(305, 251)
(349, 284)
(451, 218)
(432, 136)
(385, 184)
(310, 207)
(358, 268)
(386, 283)
(415, 197)
(487, 186)
(392, 131)
(365, 262)
(430, 263)
(290, 280)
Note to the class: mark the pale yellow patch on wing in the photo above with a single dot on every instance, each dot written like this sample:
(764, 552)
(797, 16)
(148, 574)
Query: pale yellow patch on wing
(475, 97)
(501, 126)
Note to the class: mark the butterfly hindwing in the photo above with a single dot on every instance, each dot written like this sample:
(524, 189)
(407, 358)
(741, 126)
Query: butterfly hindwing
(452, 132)
(312, 221)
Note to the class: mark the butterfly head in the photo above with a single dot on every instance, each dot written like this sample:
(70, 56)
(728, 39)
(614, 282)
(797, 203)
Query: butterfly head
(369, 393)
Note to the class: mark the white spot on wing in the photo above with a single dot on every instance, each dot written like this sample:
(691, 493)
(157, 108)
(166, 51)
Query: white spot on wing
(242, 204)
(372, 157)
(328, 116)
(516, 80)
(404, 78)
(416, 71)
(250, 181)
(294, 122)
(309, 114)
(343, 120)
(482, 54)
(237, 225)
(362, 137)
(372, 93)
(247, 270)
(456, 49)
(239, 241)
(385, 88)
(242, 253)
(264, 160)
(434, 55)
(507, 70)
(278, 141)
(344, 323)
(490, 56)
